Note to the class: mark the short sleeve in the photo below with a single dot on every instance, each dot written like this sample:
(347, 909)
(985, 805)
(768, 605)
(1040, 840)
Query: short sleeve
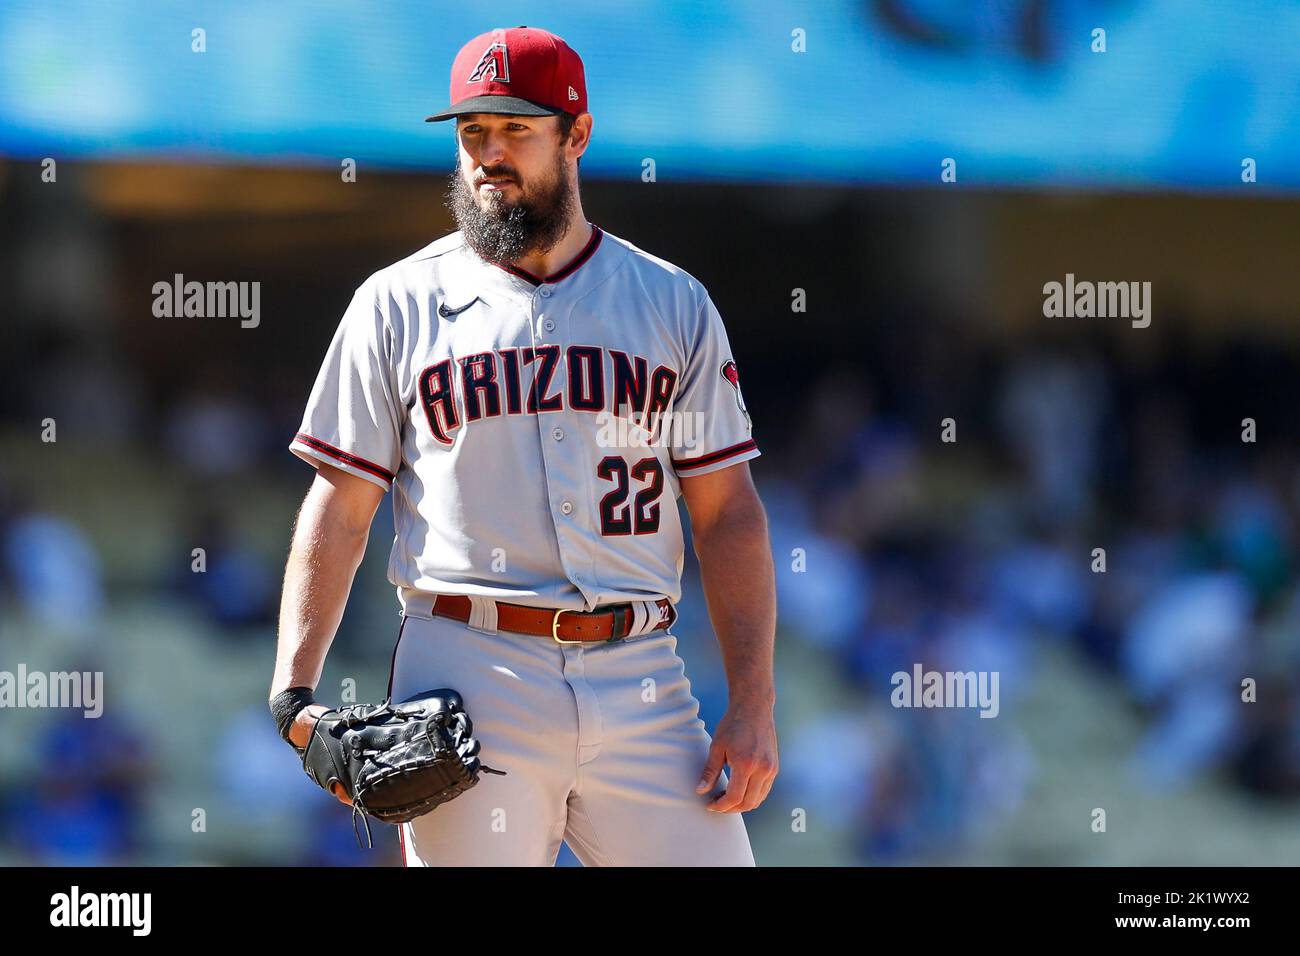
(711, 428)
(353, 419)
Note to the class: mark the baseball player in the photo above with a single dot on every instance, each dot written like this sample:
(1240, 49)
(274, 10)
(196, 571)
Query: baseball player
(537, 393)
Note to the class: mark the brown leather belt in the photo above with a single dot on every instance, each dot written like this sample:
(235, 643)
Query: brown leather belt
(610, 622)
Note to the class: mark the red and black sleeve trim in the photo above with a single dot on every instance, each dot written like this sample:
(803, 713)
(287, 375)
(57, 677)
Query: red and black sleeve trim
(714, 457)
(341, 455)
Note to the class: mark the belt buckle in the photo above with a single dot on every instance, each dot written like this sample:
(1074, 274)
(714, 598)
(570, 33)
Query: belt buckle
(555, 627)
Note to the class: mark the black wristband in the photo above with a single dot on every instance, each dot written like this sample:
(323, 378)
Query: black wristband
(286, 705)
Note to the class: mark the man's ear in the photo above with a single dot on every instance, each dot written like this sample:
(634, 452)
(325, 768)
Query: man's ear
(580, 135)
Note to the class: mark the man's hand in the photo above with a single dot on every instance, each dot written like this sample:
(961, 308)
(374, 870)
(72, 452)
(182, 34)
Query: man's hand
(745, 741)
(300, 734)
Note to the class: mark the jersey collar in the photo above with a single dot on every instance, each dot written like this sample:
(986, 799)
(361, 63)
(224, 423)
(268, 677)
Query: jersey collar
(577, 262)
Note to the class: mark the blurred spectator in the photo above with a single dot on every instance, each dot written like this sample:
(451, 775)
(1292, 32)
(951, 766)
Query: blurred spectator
(79, 380)
(258, 772)
(92, 776)
(215, 432)
(1183, 655)
(54, 572)
(822, 582)
(1051, 411)
(238, 588)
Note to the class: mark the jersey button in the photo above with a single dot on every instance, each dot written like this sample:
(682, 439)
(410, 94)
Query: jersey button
(567, 507)
(557, 434)
(549, 325)
(546, 293)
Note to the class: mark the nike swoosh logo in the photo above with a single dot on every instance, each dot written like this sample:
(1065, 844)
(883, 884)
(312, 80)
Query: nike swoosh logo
(447, 313)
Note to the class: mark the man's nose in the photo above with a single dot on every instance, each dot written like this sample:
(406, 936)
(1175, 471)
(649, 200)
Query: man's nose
(491, 149)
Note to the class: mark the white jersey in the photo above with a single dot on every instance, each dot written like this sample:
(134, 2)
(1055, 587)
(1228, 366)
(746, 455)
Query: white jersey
(533, 431)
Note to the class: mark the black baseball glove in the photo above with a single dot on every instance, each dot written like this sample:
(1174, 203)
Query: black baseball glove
(396, 761)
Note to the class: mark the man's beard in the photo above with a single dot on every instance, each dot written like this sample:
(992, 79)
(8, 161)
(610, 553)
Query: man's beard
(507, 231)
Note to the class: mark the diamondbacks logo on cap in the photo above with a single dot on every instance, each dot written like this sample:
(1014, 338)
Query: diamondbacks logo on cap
(494, 62)
(730, 373)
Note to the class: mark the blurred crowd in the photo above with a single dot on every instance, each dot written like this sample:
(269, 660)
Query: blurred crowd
(1144, 515)
(1080, 500)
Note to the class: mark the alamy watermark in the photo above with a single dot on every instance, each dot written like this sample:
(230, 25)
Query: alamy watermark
(669, 429)
(1103, 300)
(208, 300)
(80, 690)
(128, 910)
(922, 688)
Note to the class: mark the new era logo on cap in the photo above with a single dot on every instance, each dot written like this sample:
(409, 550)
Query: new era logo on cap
(522, 70)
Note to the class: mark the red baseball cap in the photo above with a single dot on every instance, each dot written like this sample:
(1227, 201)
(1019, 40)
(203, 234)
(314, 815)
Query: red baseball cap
(522, 71)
